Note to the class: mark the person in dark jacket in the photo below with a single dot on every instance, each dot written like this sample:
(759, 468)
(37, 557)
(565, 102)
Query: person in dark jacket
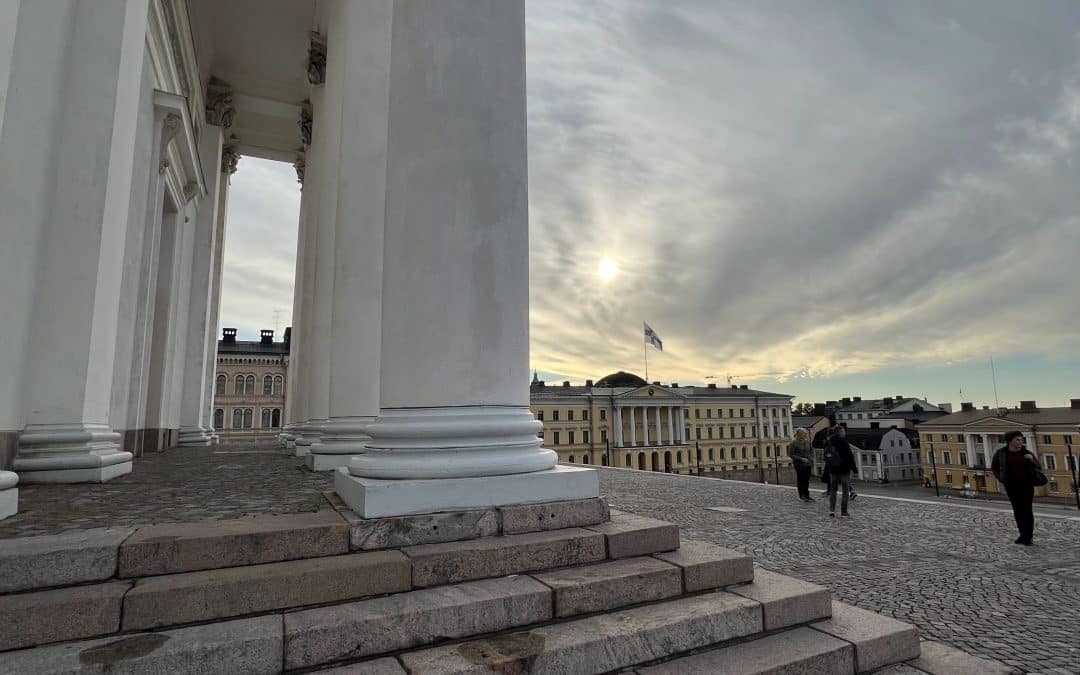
(841, 463)
(801, 454)
(1016, 468)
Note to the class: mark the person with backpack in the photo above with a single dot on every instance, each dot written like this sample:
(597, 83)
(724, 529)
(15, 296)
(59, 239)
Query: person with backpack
(841, 464)
(1018, 470)
(801, 454)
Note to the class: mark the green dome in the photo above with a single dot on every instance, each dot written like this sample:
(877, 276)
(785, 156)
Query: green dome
(621, 379)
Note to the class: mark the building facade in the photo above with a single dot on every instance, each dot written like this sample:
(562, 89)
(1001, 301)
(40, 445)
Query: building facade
(250, 387)
(623, 421)
(887, 412)
(957, 450)
(885, 455)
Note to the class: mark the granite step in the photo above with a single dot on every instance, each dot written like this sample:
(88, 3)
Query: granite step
(878, 640)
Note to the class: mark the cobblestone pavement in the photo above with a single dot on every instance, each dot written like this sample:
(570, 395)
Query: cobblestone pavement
(953, 572)
(179, 485)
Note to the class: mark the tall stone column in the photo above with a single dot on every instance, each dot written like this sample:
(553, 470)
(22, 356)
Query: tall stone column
(659, 427)
(68, 382)
(200, 359)
(358, 65)
(618, 426)
(229, 160)
(633, 427)
(454, 428)
(672, 438)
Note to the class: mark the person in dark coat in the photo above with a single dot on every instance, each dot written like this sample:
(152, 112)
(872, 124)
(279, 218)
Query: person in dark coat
(802, 458)
(841, 463)
(1017, 468)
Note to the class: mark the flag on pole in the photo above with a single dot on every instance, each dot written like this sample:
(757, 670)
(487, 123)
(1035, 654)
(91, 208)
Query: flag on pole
(651, 338)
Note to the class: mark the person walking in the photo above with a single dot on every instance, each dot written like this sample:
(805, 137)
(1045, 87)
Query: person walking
(1018, 470)
(801, 454)
(841, 463)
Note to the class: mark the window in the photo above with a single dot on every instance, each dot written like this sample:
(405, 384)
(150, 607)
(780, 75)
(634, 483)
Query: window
(678, 458)
(554, 437)
(268, 386)
(275, 418)
(1070, 461)
(249, 387)
(731, 412)
(219, 386)
(944, 438)
(239, 388)
(697, 413)
(570, 459)
(1068, 439)
(219, 418)
(584, 414)
(570, 415)
(238, 418)
(1046, 439)
(277, 385)
(859, 416)
(265, 421)
(1053, 485)
(1051, 462)
(585, 436)
(686, 413)
(711, 454)
(741, 410)
(722, 453)
(540, 415)
(963, 459)
(698, 430)
(710, 432)
(754, 451)
(744, 452)
(768, 451)
(554, 415)
(742, 431)
(570, 437)
(946, 457)
(603, 414)
(864, 459)
(948, 478)
(708, 413)
(719, 413)
(721, 432)
(628, 463)
(248, 412)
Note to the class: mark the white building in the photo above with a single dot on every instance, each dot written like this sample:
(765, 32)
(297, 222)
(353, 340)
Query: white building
(890, 411)
(885, 454)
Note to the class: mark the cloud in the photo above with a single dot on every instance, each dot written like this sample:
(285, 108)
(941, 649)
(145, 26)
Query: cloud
(796, 190)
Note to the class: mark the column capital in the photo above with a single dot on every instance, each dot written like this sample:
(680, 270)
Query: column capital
(220, 110)
(230, 158)
(305, 123)
(300, 164)
(316, 69)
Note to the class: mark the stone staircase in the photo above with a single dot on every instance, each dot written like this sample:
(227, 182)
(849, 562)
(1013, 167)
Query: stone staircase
(544, 588)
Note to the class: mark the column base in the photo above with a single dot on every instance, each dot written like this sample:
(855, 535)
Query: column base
(9, 494)
(77, 453)
(308, 434)
(194, 437)
(376, 498)
(324, 462)
(342, 439)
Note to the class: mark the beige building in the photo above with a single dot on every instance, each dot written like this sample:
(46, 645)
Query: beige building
(960, 447)
(250, 387)
(621, 420)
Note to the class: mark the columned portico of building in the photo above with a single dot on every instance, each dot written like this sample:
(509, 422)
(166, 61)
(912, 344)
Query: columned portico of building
(633, 421)
(454, 428)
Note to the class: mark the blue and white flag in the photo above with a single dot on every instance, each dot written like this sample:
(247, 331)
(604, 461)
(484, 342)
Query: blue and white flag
(651, 338)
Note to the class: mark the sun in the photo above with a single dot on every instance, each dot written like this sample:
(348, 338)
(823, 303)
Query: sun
(608, 269)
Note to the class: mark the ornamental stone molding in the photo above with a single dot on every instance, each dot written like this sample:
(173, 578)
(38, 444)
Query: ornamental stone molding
(305, 123)
(220, 110)
(300, 164)
(170, 126)
(316, 71)
(230, 157)
(191, 188)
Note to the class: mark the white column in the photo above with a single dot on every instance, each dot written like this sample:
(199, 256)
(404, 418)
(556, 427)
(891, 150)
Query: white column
(199, 359)
(969, 445)
(618, 426)
(455, 430)
(659, 427)
(80, 210)
(633, 427)
(358, 61)
(297, 358)
(1029, 441)
(305, 296)
(671, 425)
(221, 175)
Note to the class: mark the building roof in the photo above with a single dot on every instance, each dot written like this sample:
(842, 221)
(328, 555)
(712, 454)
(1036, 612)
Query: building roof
(621, 379)
(252, 347)
(1032, 417)
(806, 421)
(545, 391)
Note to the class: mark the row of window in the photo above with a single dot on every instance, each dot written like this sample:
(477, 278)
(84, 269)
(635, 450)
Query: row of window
(243, 418)
(778, 431)
(1049, 461)
(743, 412)
(244, 385)
(570, 415)
(1047, 439)
(1051, 486)
(871, 458)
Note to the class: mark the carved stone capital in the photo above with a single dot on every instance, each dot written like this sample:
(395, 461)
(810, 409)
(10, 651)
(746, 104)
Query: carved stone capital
(316, 71)
(305, 123)
(300, 165)
(191, 188)
(230, 157)
(220, 110)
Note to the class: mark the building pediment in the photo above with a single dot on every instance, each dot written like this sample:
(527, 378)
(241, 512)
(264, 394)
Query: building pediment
(651, 392)
(996, 423)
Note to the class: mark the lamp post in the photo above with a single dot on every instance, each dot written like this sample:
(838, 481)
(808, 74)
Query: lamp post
(697, 453)
(933, 468)
(1072, 468)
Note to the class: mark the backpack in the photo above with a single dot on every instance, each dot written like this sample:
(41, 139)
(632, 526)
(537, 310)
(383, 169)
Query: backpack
(833, 458)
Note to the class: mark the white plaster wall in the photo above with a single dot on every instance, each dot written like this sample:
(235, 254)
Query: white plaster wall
(161, 342)
(28, 155)
(9, 18)
(178, 357)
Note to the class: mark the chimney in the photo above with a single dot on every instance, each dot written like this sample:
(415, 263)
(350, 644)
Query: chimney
(857, 399)
(831, 404)
(1074, 403)
(228, 336)
(898, 398)
(845, 401)
(1028, 405)
(967, 406)
(588, 383)
(986, 407)
(674, 385)
(712, 385)
(566, 383)
(734, 386)
(744, 386)
(266, 337)
(886, 401)
(287, 337)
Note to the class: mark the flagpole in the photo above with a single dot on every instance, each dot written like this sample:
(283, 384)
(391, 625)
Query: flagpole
(645, 348)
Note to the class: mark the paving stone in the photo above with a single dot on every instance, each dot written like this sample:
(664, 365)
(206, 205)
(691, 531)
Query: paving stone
(435, 564)
(879, 641)
(599, 643)
(40, 617)
(605, 586)
(378, 533)
(249, 646)
(188, 547)
(940, 659)
(786, 601)
(384, 666)
(900, 669)
(215, 594)
(553, 515)
(799, 651)
(380, 625)
(27, 563)
(706, 565)
(629, 535)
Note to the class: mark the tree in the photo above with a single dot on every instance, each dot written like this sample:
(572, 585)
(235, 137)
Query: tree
(801, 409)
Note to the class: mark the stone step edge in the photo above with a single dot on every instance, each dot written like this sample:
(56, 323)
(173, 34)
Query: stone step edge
(122, 633)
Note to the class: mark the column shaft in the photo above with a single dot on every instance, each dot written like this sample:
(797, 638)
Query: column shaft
(633, 427)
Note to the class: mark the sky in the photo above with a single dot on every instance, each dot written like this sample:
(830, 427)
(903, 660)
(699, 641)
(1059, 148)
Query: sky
(822, 199)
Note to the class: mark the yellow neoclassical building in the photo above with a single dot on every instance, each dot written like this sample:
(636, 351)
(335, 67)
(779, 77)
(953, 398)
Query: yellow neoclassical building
(622, 420)
(960, 447)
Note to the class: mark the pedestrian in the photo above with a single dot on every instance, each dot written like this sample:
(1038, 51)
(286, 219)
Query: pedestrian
(1018, 470)
(801, 454)
(841, 463)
